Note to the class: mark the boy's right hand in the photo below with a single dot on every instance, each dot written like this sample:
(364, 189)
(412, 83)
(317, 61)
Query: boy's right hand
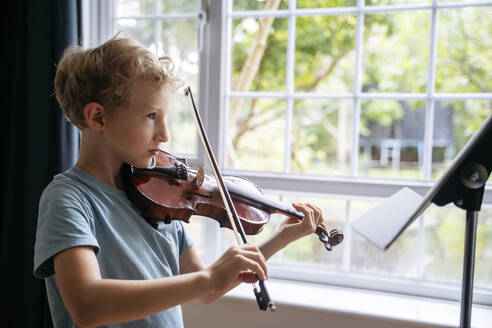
(236, 265)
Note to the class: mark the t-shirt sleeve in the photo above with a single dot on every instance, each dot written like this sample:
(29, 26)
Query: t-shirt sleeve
(184, 239)
(64, 221)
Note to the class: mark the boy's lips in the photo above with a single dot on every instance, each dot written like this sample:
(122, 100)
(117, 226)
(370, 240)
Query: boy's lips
(154, 151)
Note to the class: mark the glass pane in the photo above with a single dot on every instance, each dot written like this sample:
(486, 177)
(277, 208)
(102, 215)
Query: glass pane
(454, 123)
(483, 253)
(181, 126)
(259, 54)
(256, 134)
(392, 139)
(463, 0)
(464, 56)
(179, 41)
(135, 7)
(325, 3)
(400, 259)
(396, 2)
(260, 4)
(266, 232)
(179, 6)
(309, 251)
(322, 136)
(444, 235)
(139, 30)
(268, 229)
(396, 52)
(195, 229)
(325, 53)
(444, 245)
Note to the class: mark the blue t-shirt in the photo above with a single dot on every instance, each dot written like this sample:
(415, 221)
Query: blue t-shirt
(78, 209)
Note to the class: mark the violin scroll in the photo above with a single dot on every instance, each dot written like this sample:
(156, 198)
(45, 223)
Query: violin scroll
(331, 239)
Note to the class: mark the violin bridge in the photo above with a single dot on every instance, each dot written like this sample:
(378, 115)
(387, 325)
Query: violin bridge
(199, 178)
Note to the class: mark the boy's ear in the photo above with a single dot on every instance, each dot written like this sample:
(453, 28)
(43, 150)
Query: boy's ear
(94, 116)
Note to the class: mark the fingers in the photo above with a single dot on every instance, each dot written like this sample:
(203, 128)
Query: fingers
(249, 257)
(248, 277)
(323, 227)
(318, 215)
(313, 216)
(236, 265)
(253, 260)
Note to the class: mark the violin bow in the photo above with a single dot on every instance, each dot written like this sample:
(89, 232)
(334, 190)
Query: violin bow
(259, 288)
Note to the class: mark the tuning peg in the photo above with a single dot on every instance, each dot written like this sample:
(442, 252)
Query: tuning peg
(336, 237)
(323, 237)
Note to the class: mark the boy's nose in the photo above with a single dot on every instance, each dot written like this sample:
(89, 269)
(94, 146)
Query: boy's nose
(164, 137)
(163, 134)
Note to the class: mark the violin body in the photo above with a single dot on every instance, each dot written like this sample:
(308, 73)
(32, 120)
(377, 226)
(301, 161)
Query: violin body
(173, 191)
(163, 196)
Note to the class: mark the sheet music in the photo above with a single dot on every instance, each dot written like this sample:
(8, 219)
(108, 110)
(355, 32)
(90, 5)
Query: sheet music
(385, 222)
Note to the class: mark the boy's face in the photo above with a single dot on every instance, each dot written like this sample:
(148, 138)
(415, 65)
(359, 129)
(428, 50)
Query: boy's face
(136, 131)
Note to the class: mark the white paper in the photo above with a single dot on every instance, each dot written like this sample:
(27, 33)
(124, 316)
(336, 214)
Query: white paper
(382, 224)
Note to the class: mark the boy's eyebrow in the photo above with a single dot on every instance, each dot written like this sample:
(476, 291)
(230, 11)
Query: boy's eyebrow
(164, 109)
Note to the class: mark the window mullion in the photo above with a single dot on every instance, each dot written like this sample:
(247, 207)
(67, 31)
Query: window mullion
(354, 154)
(428, 134)
(215, 106)
(347, 236)
(218, 67)
(421, 248)
(289, 85)
(157, 29)
(226, 87)
(107, 9)
(430, 107)
(97, 22)
(373, 9)
(163, 16)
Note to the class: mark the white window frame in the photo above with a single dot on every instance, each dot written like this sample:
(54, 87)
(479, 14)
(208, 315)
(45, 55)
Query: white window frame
(215, 92)
(352, 186)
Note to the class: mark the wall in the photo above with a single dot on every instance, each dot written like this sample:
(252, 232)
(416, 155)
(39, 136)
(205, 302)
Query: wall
(242, 313)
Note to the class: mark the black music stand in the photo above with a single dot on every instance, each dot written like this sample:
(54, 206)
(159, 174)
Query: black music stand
(463, 183)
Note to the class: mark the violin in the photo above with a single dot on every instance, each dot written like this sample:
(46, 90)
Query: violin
(174, 191)
(170, 190)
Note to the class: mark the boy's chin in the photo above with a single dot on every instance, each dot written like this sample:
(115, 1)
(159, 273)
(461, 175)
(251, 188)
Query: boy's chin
(141, 164)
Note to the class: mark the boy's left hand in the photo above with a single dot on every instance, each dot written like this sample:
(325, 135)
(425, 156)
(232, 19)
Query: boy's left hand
(293, 229)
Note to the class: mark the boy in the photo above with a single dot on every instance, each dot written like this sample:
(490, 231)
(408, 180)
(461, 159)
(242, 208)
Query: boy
(101, 261)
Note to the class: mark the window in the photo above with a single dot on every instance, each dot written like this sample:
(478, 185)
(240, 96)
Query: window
(342, 102)
(339, 103)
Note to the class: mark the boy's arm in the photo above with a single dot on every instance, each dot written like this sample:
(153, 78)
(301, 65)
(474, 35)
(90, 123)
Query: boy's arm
(190, 261)
(93, 301)
(290, 230)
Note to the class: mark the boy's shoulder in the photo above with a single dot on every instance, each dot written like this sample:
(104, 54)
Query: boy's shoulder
(63, 183)
(66, 189)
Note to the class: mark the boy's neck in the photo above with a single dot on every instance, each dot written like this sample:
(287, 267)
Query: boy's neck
(95, 161)
(108, 177)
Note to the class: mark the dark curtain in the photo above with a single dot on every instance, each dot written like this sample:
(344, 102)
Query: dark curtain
(37, 143)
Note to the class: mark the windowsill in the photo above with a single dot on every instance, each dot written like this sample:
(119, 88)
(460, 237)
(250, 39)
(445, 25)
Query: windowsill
(363, 303)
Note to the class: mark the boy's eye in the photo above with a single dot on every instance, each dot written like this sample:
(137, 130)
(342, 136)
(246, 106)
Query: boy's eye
(151, 116)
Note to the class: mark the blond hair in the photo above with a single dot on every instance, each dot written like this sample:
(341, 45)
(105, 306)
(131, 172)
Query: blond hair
(106, 75)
